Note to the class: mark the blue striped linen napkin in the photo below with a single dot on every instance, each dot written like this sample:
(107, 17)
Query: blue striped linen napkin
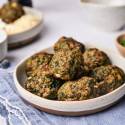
(17, 112)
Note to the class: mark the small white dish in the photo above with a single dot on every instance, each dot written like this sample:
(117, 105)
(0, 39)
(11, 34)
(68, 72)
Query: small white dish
(27, 36)
(69, 108)
(107, 15)
(3, 44)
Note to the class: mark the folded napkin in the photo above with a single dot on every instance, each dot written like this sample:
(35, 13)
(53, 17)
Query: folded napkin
(16, 112)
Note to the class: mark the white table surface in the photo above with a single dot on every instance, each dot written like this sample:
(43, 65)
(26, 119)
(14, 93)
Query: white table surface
(62, 17)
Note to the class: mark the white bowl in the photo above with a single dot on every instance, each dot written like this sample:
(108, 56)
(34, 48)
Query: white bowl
(3, 44)
(69, 108)
(108, 15)
(27, 36)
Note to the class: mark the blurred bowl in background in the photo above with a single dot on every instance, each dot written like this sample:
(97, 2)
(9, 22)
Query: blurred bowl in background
(3, 44)
(22, 38)
(25, 29)
(108, 15)
(119, 45)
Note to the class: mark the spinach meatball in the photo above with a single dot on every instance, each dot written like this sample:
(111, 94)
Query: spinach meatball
(68, 43)
(67, 65)
(43, 83)
(100, 73)
(11, 12)
(37, 61)
(94, 58)
(81, 89)
(109, 78)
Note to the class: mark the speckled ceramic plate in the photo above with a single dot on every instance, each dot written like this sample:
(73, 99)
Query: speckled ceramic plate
(70, 108)
(19, 39)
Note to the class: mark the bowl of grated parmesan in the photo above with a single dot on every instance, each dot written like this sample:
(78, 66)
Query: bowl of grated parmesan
(24, 29)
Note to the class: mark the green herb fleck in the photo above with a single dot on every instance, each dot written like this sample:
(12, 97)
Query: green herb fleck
(122, 42)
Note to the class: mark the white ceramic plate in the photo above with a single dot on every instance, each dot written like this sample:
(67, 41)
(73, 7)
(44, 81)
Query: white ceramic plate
(27, 36)
(70, 108)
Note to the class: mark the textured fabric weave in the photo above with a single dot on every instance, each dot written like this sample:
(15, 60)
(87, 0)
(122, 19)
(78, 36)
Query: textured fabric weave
(16, 112)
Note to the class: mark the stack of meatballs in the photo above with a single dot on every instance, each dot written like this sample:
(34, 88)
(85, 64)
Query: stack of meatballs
(72, 73)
